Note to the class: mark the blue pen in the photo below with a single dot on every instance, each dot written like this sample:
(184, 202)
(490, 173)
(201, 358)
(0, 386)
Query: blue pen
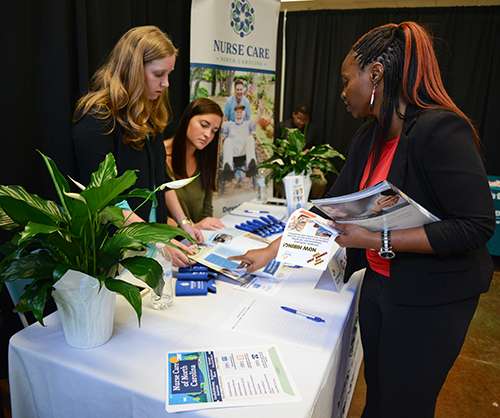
(271, 228)
(274, 219)
(270, 223)
(305, 315)
(256, 211)
(244, 227)
(266, 220)
(258, 227)
(248, 228)
(274, 222)
(260, 224)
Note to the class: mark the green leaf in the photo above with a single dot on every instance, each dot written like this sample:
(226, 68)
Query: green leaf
(19, 204)
(62, 248)
(80, 218)
(147, 270)
(112, 214)
(153, 232)
(35, 297)
(297, 140)
(129, 291)
(59, 272)
(36, 265)
(107, 171)
(99, 197)
(6, 222)
(59, 181)
(114, 247)
(33, 228)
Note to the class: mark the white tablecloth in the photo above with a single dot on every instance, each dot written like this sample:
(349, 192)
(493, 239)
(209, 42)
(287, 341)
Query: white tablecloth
(126, 376)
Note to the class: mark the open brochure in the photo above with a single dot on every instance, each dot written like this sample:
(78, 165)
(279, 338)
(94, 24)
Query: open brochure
(379, 207)
(229, 242)
(228, 378)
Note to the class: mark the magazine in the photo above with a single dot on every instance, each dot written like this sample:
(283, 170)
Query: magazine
(379, 207)
(227, 242)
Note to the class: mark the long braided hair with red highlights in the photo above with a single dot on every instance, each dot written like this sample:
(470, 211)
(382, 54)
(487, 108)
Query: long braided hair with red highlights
(410, 66)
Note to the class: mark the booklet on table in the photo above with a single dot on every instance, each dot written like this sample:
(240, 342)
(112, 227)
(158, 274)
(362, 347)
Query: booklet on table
(227, 378)
(227, 242)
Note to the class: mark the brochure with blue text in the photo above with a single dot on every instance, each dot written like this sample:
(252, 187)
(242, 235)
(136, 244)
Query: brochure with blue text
(228, 378)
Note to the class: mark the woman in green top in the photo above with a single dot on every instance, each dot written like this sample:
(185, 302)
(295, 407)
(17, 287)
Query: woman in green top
(195, 148)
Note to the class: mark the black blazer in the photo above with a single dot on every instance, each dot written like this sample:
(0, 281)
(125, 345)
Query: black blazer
(436, 163)
(93, 141)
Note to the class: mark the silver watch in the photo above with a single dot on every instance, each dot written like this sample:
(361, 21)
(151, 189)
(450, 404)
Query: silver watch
(386, 249)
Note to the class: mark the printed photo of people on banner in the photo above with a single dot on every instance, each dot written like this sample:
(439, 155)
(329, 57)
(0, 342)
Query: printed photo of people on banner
(247, 100)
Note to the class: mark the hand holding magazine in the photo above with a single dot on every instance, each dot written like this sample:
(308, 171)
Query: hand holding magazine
(308, 241)
(379, 207)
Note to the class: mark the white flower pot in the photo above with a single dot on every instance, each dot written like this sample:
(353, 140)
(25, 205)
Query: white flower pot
(86, 312)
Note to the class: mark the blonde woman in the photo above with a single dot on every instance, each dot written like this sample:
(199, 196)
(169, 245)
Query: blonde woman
(125, 113)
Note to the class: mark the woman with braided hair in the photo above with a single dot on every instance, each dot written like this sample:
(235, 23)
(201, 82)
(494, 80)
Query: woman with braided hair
(418, 296)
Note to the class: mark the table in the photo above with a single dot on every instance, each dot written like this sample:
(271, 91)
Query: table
(126, 376)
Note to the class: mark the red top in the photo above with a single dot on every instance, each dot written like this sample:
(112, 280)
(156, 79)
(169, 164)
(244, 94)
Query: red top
(377, 263)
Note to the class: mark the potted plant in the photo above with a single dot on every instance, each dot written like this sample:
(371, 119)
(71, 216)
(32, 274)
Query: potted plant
(85, 234)
(289, 157)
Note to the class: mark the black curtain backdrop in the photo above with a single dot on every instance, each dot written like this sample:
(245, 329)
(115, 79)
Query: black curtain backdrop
(49, 51)
(468, 49)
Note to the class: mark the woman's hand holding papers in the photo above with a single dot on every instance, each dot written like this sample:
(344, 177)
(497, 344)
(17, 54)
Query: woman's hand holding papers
(404, 240)
(256, 259)
(354, 236)
(179, 259)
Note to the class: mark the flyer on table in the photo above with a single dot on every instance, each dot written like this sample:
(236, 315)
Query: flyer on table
(228, 378)
(307, 241)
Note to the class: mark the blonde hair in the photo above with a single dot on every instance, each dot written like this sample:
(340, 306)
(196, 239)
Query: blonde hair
(118, 89)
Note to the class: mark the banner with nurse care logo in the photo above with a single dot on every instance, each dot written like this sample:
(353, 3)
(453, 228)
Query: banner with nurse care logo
(233, 62)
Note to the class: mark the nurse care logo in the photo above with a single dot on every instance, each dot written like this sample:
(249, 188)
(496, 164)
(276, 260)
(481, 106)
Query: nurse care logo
(242, 17)
(242, 20)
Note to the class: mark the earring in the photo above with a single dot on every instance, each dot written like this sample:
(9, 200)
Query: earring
(372, 99)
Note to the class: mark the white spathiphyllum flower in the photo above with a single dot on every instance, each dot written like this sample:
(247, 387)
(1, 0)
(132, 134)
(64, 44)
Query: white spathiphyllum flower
(77, 196)
(79, 185)
(178, 184)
